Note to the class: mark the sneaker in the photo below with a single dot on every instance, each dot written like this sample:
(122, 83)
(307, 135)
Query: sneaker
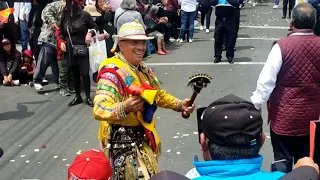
(38, 86)
(180, 40)
(72, 91)
(16, 82)
(207, 31)
(275, 6)
(45, 81)
(172, 40)
(201, 28)
(191, 40)
(64, 92)
(254, 4)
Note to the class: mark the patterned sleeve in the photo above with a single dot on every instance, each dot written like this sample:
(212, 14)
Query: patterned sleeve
(48, 14)
(108, 103)
(168, 101)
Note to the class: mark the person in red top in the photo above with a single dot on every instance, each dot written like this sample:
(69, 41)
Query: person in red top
(92, 164)
(65, 76)
(28, 67)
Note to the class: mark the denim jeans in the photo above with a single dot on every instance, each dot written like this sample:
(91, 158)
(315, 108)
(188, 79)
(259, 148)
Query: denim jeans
(187, 18)
(25, 35)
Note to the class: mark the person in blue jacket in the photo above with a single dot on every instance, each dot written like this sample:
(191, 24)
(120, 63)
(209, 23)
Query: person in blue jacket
(226, 27)
(230, 140)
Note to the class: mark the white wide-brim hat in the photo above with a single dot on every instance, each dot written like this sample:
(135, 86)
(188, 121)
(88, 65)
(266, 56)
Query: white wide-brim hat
(132, 31)
(92, 10)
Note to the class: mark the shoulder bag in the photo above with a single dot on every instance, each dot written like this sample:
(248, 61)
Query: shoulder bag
(78, 50)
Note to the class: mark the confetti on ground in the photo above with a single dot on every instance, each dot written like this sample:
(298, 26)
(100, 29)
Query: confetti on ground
(175, 137)
(165, 73)
(169, 150)
(20, 145)
(27, 161)
(184, 135)
(36, 150)
(64, 159)
(55, 157)
(195, 132)
(158, 117)
(178, 133)
(87, 142)
(39, 162)
(268, 137)
(79, 152)
(178, 152)
(46, 94)
(12, 160)
(67, 165)
(252, 48)
(44, 146)
(23, 156)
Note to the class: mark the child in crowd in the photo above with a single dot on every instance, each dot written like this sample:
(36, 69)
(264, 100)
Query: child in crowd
(153, 24)
(28, 67)
(65, 76)
(92, 164)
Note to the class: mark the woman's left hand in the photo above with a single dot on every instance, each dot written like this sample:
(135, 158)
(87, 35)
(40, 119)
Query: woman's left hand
(88, 38)
(185, 107)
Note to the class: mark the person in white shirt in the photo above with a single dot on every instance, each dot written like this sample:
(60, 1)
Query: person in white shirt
(188, 15)
(290, 84)
(21, 16)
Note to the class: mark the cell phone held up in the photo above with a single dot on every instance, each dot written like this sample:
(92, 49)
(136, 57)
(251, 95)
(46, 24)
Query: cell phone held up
(279, 165)
(200, 112)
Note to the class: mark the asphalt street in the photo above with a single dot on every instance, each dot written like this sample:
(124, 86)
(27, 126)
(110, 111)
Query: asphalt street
(41, 135)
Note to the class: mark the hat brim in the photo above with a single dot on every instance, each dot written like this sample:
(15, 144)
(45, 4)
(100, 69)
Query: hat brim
(95, 14)
(134, 37)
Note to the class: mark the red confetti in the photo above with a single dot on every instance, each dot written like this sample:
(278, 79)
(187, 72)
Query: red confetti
(44, 146)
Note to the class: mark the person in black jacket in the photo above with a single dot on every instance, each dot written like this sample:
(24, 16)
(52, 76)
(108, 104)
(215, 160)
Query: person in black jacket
(10, 60)
(105, 22)
(226, 26)
(77, 29)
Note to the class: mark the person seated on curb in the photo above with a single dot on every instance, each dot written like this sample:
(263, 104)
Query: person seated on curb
(92, 164)
(154, 24)
(10, 62)
(231, 139)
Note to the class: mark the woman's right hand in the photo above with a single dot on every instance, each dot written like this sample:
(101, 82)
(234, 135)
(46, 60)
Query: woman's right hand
(6, 80)
(133, 104)
(63, 47)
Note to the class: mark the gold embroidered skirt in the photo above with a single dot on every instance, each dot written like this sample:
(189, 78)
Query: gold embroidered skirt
(129, 153)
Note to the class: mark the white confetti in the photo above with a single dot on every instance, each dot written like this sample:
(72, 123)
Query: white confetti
(175, 137)
(178, 133)
(23, 156)
(268, 137)
(158, 117)
(87, 142)
(12, 160)
(64, 159)
(46, 94)
(67, 165)
(252, 48)
(36, 150)
(79, 152)
(178, 152)
(39, 162)
(184, 135)
(194, 132)
(20, 145)
(27, 161)
(55, 157)
(169, 150)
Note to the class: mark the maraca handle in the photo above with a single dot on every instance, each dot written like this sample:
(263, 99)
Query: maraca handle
(186, 115)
